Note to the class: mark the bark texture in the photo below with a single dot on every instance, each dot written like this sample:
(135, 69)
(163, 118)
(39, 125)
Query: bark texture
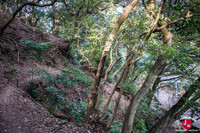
(94, 90)
(148, 84)
(127, 68)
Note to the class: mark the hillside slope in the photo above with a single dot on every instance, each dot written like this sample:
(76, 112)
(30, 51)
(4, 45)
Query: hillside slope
(19, 112)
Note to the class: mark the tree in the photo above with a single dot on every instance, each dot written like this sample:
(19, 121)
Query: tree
(94, 90)
(177, 110)
(10, 19)
(167, 39)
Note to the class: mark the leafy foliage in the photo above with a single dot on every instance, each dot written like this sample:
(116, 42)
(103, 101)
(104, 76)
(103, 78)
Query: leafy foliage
(116, 127)
(140, 127)
(77, 110)
(35, 49)
(69, 79)
(145, 117)
(53, 98)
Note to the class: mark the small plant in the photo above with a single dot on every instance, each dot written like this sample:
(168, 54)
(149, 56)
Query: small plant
(35, 49)
(7, 47)
(53, 98)
(77, 110)
(116, 127)
(11, 71)
(140, 127)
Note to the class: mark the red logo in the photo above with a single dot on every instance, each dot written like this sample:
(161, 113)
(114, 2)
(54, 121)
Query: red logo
(187, 124)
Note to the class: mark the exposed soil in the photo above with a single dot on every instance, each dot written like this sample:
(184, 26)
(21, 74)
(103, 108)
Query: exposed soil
(20, 113)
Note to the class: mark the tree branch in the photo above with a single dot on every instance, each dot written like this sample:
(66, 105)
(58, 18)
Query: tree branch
(167, 24)
(19, 9)
(145, 6)
(155, 22)
(176, 21)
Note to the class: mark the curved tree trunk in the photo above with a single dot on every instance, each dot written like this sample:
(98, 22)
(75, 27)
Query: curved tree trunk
(127, 68)
(102, 85)
(147, 85)
(95, 86)
(6, 24)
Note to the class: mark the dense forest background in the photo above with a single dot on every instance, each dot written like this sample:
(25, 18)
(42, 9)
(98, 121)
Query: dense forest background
(99, 65)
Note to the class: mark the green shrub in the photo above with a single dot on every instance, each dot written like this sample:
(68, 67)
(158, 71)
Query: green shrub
(140, 127)
(116, 127)
(11, 71)
(68, 79)
(144, 112)
(54, 99)
(77, 110)
(35, 49)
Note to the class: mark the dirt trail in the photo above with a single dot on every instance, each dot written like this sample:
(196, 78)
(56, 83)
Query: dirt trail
(19, 113)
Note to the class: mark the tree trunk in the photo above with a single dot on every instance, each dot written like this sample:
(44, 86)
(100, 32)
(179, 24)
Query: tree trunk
(127, 68)
(154, 88)
(176, 111)
(94, 90)
(147, 85)
(113, 91)
(101, 89)
(151, 78)
(56, 19)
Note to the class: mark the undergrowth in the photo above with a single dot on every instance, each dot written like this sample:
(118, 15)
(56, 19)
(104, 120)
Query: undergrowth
(68, 78)
(52, 94)
(145, 117)
(32, 48)
(116, 127)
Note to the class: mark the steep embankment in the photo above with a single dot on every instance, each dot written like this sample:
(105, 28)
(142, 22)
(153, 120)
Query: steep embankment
(25, 59)
(19, 112)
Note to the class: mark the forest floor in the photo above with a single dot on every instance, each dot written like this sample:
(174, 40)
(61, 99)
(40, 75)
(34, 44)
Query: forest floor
(20, 113)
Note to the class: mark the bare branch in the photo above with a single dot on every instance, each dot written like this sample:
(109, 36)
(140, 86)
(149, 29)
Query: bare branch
(145, 6)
